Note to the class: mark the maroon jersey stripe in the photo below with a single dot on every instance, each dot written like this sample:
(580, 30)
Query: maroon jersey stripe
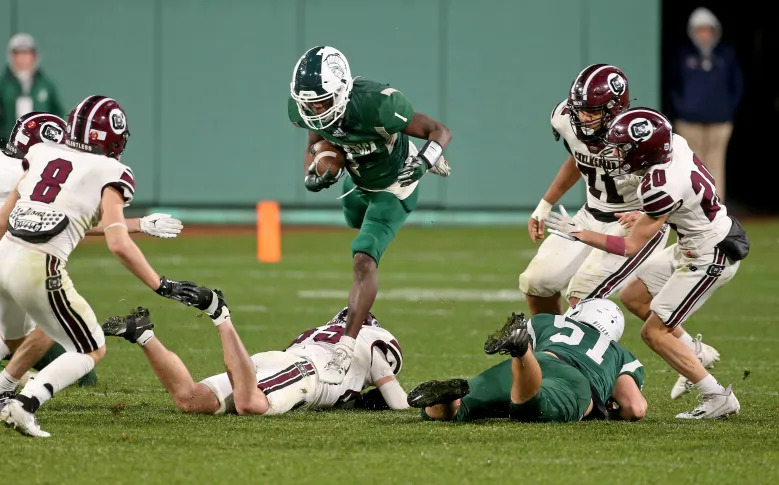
(659, 204)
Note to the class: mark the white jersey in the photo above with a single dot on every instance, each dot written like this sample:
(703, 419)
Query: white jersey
(605, 193)
(10, 172)
(376, 355)
(61, 181)
(683, 189)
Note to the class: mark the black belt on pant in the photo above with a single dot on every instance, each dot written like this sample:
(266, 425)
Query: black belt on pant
(601, 216)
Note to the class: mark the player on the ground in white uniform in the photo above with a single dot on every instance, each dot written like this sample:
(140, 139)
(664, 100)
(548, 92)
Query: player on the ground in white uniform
(675, 188)
(272, 382)
(40, 349)
(66, 191)
(598, 94)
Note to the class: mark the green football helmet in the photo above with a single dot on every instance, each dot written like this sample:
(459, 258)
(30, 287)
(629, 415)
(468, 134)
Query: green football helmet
(321, 85)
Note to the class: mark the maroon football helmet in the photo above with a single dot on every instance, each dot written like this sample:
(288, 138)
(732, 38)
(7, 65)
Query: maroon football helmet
(32, 129)
(642, 136)
(98, 125)
(599, 88)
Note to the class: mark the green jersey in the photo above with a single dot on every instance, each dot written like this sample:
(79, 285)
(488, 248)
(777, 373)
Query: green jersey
(599, 358)
(370, 133)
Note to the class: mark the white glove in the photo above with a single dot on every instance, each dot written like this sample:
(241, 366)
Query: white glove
(161, 225)
(441, 168)
(562, 225)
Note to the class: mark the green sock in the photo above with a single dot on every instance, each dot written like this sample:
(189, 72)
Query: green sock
(55, 351)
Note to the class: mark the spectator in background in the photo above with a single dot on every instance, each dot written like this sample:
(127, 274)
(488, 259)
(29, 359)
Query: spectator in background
(705, 92)
(23, 86)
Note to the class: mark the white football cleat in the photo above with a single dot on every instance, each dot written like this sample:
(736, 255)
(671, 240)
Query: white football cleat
(23, 421)
(335, 370)
(683, 386)
(708, 356)
(713, 406)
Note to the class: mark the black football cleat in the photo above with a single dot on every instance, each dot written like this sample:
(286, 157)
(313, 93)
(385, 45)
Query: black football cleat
(131, 327)
(511, 339)
(431, 393)
(5, 397)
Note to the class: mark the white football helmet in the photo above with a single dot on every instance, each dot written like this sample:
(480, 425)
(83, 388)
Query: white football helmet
(321, 75)
(601, 314)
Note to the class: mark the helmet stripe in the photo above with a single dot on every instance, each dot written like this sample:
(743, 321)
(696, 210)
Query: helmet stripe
(75, 117)
(88, 126)
(80, 116)
(590, 78)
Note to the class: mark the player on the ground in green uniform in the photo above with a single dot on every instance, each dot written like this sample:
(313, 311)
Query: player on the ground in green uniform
(563, 368)
(371, 123)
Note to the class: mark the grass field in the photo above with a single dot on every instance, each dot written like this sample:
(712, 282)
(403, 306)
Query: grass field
(441, 292)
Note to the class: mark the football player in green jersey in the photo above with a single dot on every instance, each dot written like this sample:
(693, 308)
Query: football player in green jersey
(371, 123)
(562, 368)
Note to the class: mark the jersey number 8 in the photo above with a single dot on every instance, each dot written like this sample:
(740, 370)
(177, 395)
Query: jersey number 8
(53, 176)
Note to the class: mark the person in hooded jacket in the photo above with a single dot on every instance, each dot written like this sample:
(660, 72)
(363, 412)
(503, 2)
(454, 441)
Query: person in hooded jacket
(23, 86)
(706, 89)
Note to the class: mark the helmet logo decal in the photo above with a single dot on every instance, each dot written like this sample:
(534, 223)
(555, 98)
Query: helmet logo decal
(640, 129)
(51, 132)
(616, 83)
(31, 125)
(118, 121)
(336, 65)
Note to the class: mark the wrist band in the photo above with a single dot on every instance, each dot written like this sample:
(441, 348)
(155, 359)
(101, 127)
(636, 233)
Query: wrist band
(542, 210)
(616, 245)
(431, 152)
(116, 224)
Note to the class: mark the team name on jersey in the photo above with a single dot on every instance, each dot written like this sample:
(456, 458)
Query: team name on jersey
(598, 160)
(360, 149)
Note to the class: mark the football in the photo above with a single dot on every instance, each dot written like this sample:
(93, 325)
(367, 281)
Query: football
(326, 155)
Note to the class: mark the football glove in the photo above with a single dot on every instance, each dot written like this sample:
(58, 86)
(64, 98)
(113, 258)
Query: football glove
(183, 291)
(371, 400)
(315, 183)
(413, 169)
(563, 225)
(161, 225)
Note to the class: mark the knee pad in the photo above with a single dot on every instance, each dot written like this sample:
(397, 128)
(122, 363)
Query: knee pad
(533, 282)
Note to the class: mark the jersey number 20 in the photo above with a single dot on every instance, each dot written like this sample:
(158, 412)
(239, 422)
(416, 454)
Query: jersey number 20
(53, 176)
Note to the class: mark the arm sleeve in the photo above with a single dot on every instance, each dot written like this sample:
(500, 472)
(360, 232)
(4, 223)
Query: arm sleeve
(632, 367)
(395, 111)
(394, 395)
(380, 367)
(656, 201)
(125, 184)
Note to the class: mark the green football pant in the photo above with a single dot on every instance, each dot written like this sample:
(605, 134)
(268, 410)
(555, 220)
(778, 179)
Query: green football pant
(564, 396)
(378, 216)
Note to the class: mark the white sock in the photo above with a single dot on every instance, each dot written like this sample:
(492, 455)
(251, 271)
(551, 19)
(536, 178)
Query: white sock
(59, 374)
(687, 340)
(7, 382)
(348, 342)
(4, 350)
(709, 385)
